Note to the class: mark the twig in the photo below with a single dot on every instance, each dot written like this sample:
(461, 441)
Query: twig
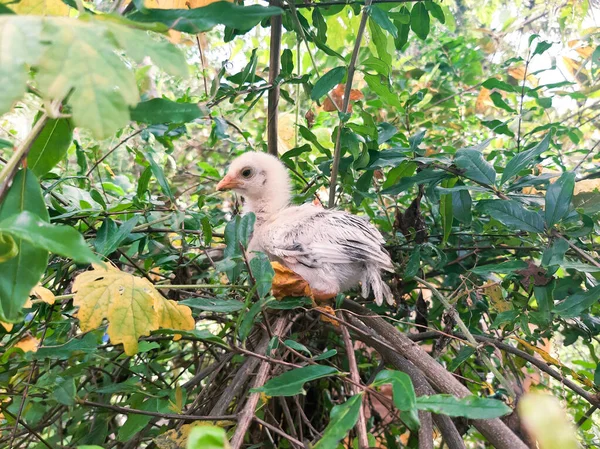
(29, 429)
(280, 432)
(112, 150)
(579, 251)
(247, 414)
(587, 415)
(273, 95)
(134, 411)
(338, 140)
(469, 337)
(361, 424)
(11, 168)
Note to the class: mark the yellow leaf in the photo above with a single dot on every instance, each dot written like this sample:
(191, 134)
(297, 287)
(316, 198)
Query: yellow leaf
(483, 102)
(494, 292)
(40, 7)
(43, 293)
(28, 344)
(546, 421)
(571, 65)
(7, 326)
(587, 185)
(132, 306)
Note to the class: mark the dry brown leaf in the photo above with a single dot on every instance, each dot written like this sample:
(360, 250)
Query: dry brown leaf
(329, 310)
(287, 283)
(28, 344)
(337, 95)
(132, 306)
(483, 102)
(494, 292)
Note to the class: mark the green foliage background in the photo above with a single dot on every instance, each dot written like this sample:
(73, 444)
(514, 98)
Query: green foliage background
(473, 147)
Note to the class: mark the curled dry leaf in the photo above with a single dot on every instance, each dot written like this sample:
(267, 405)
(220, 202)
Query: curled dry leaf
(328, 310)
(288, 283)
(337, 95)
(43, 294)
(132, 306)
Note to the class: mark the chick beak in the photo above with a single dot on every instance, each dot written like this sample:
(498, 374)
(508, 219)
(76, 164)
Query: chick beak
(227, 183)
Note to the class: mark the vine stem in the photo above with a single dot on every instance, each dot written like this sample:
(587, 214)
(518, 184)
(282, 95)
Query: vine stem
(469, 337)
(274, 68)
(12, 166)
(351, 69)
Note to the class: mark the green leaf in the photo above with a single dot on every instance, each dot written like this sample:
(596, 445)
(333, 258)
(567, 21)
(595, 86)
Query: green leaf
(380, 41)
(500, 268)
(64, 391)
(159, 174)
(246, 227)
(544, 298)
(436, 11)
(558, 198)
(575, 304)
(541, 47)
(523, 159)
(499, 102)
(297, 346)
(475, 166)
(343, 418)
(291, 382)
(381, 88)
(463, 355)
(462, 205)
(87, 344)
(325, 355)
(471, 407)
(213, 304)
(21, 47)
(513, 214)
(109, 237)
(199, 20)
(403, 395)
(290, 303)
(62, 240)
(161, 110)
(381, 18)
(494, 83)
(327, 82)
(287, 61)
(50, 147)
(263, 273)
(589, 202)
(403, 27)
(21, 273)
(207, 437)
(419, 20)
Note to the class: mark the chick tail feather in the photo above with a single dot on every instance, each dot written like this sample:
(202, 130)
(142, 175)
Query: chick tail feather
(372, 281)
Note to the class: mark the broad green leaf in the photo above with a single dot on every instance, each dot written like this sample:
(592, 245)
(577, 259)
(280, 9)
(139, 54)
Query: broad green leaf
(463, 355)
(297, 346)
(380, 41)
(547, 422)
(555, 254)
(403, 395)
(290, 303)
(475, 166)
(343, 418)
(381, 88)
(21, 273)
(327, 82)
(161, 110)
(544, 298)
(199, 20)
(403, 27)
(436, 11)
(51, 146)
(419, 20)
(589, 202)
(287, 61)
(159, 174)
(499, 102)
(109, 237)
(213, 304)
(246, 227)
(326, 355)
(21, 47)
(541, 47)
(575, 304)
(84, 345)
(494, 83)
(558, 198)
(249, 318)
(197, 334)
(64, 391)
(500, 268)
(263, 273)
(62, 240)
(471, 407)
(132, 306)
(462, 205)
(523, 159)
(381, 18)
(513, 215)
(207, 437)
(377, 64)
(291, 382)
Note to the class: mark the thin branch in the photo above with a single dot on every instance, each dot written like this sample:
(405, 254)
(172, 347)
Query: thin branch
(26, 426)
(338, 140)
(280, 432)
(461, 324)
(361, 424)
(273, 96)
(134, 411)
(578, 250)
(9, 171)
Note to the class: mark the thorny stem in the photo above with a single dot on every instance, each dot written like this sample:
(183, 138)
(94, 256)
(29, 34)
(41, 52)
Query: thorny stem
(351, 68)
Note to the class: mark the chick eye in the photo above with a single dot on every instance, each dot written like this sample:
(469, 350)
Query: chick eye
(247, 172)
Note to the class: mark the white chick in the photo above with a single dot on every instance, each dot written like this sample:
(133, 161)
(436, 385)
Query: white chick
(332, 250)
